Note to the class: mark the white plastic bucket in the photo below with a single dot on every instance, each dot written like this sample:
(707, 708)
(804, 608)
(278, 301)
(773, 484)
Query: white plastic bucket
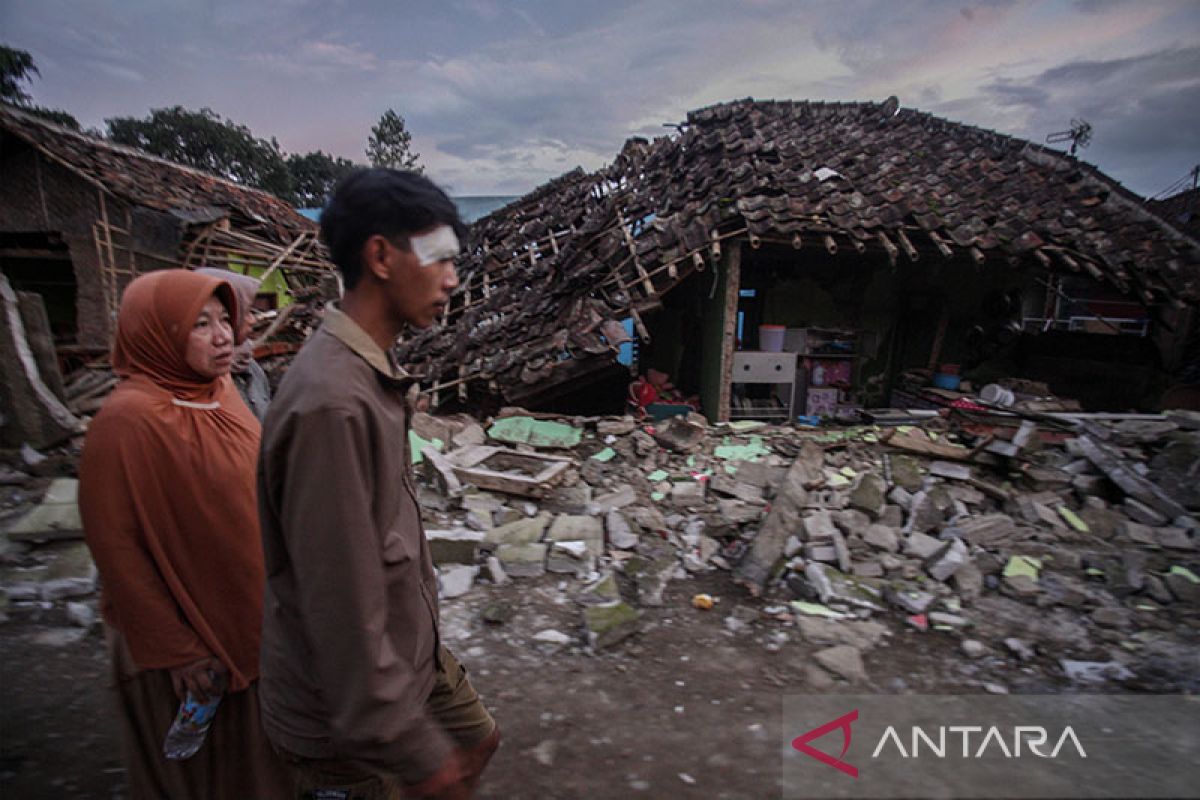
(770, 338)
(997, 395)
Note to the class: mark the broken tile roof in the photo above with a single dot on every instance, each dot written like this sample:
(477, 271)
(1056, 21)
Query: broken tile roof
(157, 183)
(545, 279)
(1182, 210)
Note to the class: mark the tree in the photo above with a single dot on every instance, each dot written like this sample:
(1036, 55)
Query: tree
(17, 67)
(314, 175)
(390, 144)
(202, 139)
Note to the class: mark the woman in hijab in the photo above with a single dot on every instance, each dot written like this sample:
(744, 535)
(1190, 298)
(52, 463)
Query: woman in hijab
(249, 378)
(168, 505)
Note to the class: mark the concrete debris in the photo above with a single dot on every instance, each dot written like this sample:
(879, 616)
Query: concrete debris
(456, 580)
(844, 661)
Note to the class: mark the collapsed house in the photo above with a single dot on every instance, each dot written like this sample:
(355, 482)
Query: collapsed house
(876, 239)
(81, 217)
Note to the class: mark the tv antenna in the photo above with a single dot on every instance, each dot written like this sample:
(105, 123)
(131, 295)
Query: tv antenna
(1079, 135)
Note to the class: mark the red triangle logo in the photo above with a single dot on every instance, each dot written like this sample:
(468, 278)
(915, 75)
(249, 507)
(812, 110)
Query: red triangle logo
(801, 743)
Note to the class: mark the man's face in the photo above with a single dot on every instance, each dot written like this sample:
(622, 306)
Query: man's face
(419, 292)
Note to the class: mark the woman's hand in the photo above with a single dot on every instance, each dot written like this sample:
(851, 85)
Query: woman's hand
(205, 679)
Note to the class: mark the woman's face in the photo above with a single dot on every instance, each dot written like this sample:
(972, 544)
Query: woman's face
(210, 344)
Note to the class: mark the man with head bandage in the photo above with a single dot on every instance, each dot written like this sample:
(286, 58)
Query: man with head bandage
(359, 694)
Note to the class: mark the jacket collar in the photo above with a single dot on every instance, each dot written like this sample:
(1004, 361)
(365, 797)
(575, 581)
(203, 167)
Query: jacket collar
(347, 331)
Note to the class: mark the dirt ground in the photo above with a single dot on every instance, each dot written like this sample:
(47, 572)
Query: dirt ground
(688, 707)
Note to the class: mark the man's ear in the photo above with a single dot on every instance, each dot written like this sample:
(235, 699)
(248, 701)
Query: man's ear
(375, 257)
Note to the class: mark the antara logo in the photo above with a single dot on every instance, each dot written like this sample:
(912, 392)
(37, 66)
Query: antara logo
(1034, 738)
(801, 743)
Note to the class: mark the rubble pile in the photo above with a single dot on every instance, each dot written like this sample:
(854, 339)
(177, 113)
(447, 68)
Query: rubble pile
(1072, 544)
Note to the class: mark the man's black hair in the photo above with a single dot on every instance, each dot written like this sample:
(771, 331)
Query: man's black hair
(387, 202)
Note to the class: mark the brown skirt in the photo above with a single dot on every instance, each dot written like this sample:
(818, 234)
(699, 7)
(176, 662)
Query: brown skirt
(235, 761)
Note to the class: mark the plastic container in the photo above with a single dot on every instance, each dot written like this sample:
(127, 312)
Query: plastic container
(190, 727)
(770, 338)
(997, 395)
(943, 381)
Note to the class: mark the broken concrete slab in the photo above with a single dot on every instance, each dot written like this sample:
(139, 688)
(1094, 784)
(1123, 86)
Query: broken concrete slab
(523, 560)
(921, 545)
(881, 537)
(56, 517)
(619, 426)
(819, 527)
(947, 561)
(680, 434)
(906, 472)
(844, 661)
(1183, 584)
(620, 533)
(651, 571)
(860, 634)
(986, 530)
(746, 492)
(535, 432)
(456, 580)
(577, 527)
(688, 494)
(522, 531)
(869, 495)
(1140, 512)
(609, 624)
(782, 520)
(454, 545)
(571, 558)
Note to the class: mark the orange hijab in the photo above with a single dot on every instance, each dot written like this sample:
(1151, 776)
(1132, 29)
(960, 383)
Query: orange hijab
(167, 490)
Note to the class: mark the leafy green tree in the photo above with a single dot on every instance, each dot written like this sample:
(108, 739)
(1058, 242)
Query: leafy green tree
(314, 175)
(390, 144)
(17, 67)
(202, 139)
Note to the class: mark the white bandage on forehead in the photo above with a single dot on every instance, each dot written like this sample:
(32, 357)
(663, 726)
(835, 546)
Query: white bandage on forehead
(440, 244)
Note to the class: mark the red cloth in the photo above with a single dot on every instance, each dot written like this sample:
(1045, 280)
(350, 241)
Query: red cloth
(167, 490)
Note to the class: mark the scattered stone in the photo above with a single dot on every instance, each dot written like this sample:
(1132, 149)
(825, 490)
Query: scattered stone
(620, 497)
(1019, 648)
(496, 571)
(1094, 671)
(60, 637)
(688, 494)
(844, 661)
(921, 545)
(819, 527)
(868, 495)
(81, 615)
(1174, 539)
(608, 624)
(456, 580)
(620, 532)
(1184, 584)
(973, 648)
(62, 588)
(881, 537)
(1138, 511)
(947, 561)
(574, 528)
(616, 427)
(995, 688)
(906, 472)
(1110, 617)
(497, 613)
(946, 619)
(861, 634)
(988, 530)
(551, 636)
(911, 600)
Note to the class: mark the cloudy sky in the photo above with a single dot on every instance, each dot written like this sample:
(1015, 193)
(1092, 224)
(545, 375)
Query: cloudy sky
(501, 96)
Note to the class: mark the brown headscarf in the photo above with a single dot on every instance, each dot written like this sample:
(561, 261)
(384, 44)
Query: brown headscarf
(167, 490)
